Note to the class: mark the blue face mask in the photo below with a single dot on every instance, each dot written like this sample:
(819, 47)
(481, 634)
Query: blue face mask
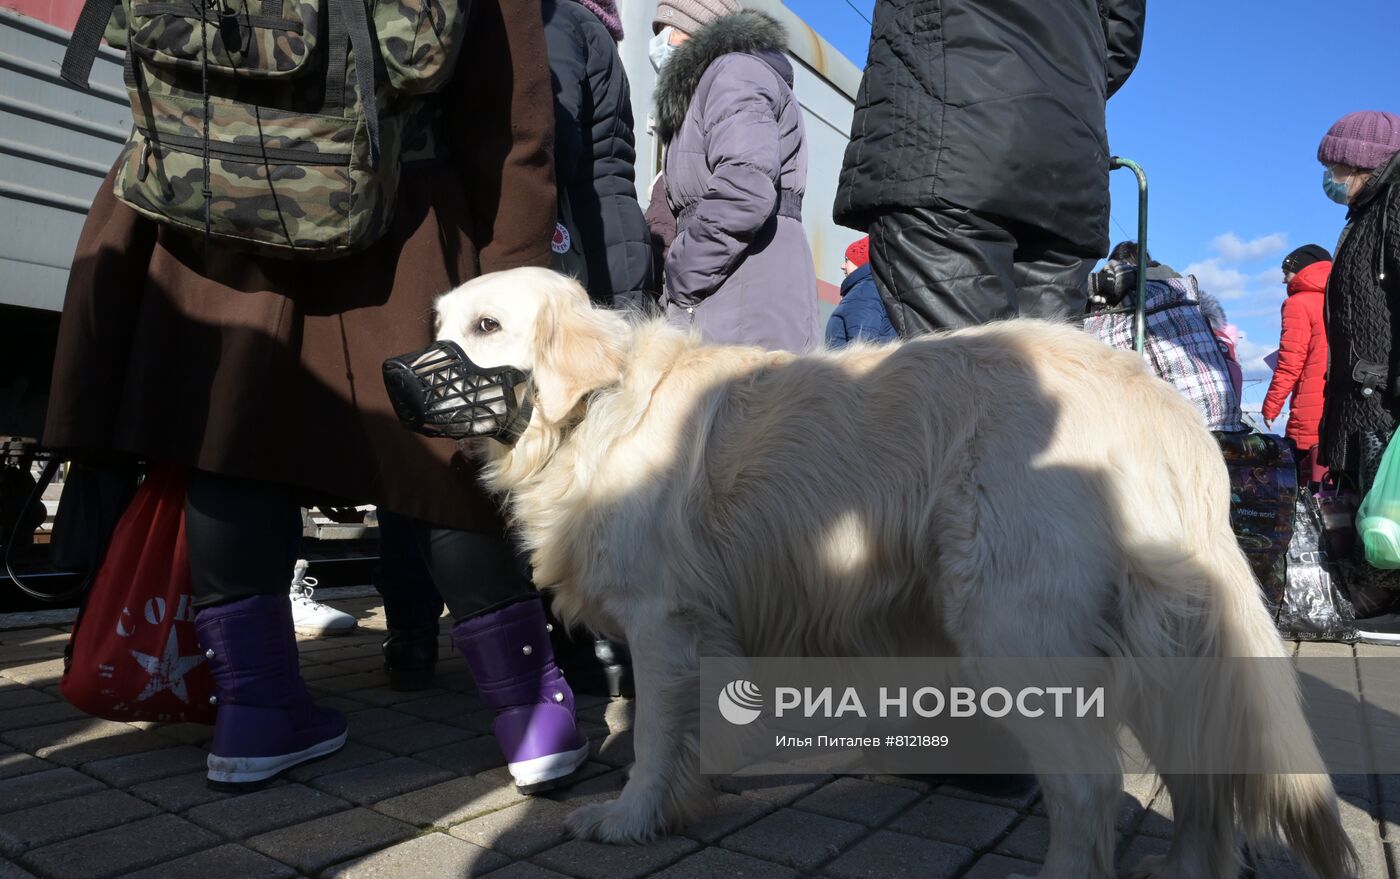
(1335, 189)
(659, 49)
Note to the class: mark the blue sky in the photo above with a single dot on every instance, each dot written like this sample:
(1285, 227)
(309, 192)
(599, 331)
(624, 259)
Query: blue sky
(1225, 111)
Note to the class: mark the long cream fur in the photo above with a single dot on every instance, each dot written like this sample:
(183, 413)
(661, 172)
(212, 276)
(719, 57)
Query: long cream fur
(1012, 490)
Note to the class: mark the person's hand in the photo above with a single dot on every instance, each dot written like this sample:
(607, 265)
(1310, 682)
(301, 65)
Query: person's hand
(1111, 283)
(1269, 424)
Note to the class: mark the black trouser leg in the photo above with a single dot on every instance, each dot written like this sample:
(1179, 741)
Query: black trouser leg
(1051, 276)
(412, 604)
(942, 268)
(243, 537)
(411, 599)
(946, 267)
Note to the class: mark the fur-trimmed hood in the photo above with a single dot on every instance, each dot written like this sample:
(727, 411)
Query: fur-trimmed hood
(748, 31)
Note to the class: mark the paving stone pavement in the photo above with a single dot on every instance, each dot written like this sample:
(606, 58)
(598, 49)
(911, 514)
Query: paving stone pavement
(420, 791)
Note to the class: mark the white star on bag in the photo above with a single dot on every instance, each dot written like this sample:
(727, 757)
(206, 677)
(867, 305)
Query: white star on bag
(167, 671)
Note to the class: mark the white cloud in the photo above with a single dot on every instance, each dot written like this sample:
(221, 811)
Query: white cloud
(1234, 249)
(1265, 309)
(1251, 355)
(1234, 275)
(1215, 277)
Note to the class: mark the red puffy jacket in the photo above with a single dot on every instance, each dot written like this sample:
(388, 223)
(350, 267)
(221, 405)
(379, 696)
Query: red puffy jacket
(1302, 357)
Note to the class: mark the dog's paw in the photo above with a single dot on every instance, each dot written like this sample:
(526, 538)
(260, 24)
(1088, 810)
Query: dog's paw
(614, 821)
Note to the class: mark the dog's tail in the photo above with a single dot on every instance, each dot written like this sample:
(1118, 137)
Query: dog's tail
(1241, 706)
(1301, 805)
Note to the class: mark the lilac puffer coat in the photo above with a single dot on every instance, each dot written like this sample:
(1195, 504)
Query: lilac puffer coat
(736, 167)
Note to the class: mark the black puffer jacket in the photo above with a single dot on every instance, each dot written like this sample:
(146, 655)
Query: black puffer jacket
(1363, 320)
(996, 107)
(595, 153)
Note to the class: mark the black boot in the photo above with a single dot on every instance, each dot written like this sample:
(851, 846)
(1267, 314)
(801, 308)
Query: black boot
(615, 661)
(595, 666)
(410, 657)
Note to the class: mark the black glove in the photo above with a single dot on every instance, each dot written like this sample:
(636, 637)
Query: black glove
(1108, 286)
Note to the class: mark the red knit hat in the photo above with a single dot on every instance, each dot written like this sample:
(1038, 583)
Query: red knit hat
(859, 251)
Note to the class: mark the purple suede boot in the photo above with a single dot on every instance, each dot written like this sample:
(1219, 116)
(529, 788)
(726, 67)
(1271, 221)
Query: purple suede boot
(508, 651)
(267, 721)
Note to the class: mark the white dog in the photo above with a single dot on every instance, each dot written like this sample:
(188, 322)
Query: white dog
(1013, 490)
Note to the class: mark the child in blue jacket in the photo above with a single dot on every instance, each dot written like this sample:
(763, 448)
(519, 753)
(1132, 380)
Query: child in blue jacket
(861, 314)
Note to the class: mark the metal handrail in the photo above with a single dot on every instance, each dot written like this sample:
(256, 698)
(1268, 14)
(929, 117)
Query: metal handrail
(1140, 307)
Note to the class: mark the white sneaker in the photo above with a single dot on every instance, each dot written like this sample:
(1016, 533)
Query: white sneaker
(310, 617)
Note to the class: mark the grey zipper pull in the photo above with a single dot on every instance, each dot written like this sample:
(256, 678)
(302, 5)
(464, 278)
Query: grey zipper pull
(143, 168)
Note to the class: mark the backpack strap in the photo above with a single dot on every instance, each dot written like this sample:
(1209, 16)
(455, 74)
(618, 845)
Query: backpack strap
(355, 26)
(87, 38)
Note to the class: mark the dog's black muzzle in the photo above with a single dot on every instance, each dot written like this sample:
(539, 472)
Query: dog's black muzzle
(439, 392)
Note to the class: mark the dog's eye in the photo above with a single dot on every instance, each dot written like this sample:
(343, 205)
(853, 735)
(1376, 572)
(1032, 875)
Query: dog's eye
(487, 325)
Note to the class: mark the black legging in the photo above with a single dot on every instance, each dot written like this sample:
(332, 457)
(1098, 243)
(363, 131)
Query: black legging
(473, 571)
(244, 536)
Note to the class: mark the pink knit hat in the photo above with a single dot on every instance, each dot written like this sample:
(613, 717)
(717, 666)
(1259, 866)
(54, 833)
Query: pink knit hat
(691, 15)
(1365, 139)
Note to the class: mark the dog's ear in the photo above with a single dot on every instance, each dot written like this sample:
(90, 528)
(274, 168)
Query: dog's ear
(580, 349)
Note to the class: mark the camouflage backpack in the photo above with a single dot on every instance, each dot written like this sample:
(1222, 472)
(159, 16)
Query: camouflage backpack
(279, 124)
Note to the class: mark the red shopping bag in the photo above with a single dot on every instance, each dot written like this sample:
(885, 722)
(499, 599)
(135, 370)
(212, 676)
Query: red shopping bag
(133, 654)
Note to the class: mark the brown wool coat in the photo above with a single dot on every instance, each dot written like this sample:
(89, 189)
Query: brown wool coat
(270, 369)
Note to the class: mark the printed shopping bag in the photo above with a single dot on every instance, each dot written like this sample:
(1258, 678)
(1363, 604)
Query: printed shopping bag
(133, 654)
